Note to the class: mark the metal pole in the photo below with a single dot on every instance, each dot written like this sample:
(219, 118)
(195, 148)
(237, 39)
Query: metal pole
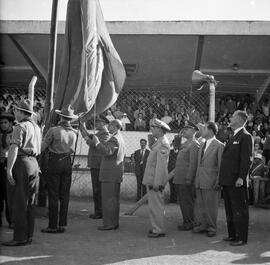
(31, 90)
(212, 93)
(51, 65)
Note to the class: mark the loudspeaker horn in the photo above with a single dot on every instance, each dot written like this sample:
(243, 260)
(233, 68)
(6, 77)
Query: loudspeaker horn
(199, 79)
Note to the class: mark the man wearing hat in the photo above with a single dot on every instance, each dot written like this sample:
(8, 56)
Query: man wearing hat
(206, 181)
(94, 160)
(23, 172)
(6, 130)
(155, 177)
(60, 142)
(184, 175)
(111, 174)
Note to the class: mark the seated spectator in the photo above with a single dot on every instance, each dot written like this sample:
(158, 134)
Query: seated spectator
(194, 115)
(109, 116)
(256, 138)
(266, 148)
(140, 124)
(265, 107)
(138, 111)
(126, 124)
(166, 117)
(177, 124)
(118, 114)
(154, 116)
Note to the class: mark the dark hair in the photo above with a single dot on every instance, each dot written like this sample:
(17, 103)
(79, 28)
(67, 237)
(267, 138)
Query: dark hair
(212, 126)
(143, 140)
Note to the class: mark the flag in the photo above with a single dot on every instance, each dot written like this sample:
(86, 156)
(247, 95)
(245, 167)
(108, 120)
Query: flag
(91, 70)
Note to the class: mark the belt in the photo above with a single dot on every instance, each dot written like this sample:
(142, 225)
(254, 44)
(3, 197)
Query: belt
(59, 155)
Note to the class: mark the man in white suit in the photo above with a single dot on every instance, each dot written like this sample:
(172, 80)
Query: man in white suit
(206, 180)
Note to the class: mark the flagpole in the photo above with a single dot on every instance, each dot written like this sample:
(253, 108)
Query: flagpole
(51, 65)
(42, 195)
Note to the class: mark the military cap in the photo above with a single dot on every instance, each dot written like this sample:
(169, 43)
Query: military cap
(191, 125)
(160, 124)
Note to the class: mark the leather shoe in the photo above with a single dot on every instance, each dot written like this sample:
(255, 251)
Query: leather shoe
(211, 233)
(14, 243)
(155, 235)
(106, 228)
(184, 227)
(198, 229)
(238, 243)
(49, 230)
(228, 239)
(95, 216)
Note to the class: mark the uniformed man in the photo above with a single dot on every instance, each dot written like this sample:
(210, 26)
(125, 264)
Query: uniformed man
(184, 175)
(60, 142)
(23, 172)
(155, 177)
(6, 130)
(94, 161)
(111, 174)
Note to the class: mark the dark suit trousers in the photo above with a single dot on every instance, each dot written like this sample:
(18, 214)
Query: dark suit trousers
(25, 173)
(96, 187)
(186, 198)
(141, 189)
(110, 203)
(59, 181)
(237, 215)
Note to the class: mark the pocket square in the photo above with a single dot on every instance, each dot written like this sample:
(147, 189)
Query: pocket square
(235, 142)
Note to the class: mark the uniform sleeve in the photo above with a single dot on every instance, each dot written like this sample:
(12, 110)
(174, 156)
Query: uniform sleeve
(47, 140)
(161, 171)
(246, 155)
(193, 162)
(108, 148)
(18, 135)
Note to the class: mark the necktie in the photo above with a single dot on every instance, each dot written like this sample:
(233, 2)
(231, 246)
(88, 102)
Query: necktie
(141, 157)
(203, 149)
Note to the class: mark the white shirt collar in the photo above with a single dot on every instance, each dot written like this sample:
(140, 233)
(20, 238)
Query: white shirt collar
(208, 142)
(237, 130)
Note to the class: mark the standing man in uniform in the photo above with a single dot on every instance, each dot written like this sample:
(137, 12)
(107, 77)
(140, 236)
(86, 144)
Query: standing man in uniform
(23, 172)
(140, 159)
(94, 162)
(184, 175)
(60, 142)
(111, 174)
(206, 181)
(155, 177)
(235, 164)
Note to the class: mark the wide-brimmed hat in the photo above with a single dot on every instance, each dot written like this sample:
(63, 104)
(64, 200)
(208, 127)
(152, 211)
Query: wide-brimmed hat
(191, 125)
(67, 112)
(25, 105)
(160, 124)
(7, 115)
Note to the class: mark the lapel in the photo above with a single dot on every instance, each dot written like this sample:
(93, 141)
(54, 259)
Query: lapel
(209, 149)
(232, 139)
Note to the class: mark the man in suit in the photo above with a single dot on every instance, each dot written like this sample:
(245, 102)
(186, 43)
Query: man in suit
(233, 174)
(184, 175)
(23, 173)
(111, 174)
(206, 180)
(140, 157)
(94, 161)
(155, 177)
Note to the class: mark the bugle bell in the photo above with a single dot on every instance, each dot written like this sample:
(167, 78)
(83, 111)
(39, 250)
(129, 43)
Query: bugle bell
(199, 79)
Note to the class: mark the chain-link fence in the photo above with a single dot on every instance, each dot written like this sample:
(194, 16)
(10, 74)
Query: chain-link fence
(136, 109)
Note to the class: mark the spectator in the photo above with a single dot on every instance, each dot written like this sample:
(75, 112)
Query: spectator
(140, 124)
(126, 124)
(166, 118)
(109, 116)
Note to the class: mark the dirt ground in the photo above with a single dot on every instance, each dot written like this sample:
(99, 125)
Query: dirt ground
(84, 244)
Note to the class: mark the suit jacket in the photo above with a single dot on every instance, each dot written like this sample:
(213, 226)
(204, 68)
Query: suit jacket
(186, 162)
(140, 168)
(156, 172)
(236, 159)
(112, 163)
(94, 155)
(208, 166)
